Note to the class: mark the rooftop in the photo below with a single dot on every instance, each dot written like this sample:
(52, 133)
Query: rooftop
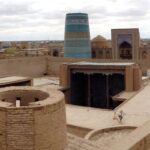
(84, 63)
(13, 79)
(136, 111)
(99, 38)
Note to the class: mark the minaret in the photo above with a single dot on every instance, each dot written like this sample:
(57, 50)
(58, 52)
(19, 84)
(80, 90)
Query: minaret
(77, 36)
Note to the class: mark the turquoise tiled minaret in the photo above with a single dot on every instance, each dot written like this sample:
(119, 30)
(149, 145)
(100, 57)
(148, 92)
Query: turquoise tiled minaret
(77, 36)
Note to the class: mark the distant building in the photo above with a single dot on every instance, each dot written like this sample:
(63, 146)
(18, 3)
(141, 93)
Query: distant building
(145, 50)
(101, 48)
(33, 52)
(125, 44)
(56, 49)
(95, 84)
(2, 50)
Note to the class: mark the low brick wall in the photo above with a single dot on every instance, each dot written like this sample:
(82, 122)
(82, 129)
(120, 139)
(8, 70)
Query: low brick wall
(23, 66)
(78, 131)
(139, 139)
(38, 66)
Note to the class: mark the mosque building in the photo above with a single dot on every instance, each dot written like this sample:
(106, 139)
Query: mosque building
(101, 48)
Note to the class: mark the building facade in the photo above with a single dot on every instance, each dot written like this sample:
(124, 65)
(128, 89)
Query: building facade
(94, 84)
(125, 44)
(101, 48)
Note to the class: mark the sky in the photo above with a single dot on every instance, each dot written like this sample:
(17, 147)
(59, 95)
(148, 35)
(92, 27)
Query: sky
(45, 19)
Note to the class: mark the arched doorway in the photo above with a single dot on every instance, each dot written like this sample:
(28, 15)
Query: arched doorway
(93, 53)
(108, 54)
(55, 53)
(100, 53)
(125, 50)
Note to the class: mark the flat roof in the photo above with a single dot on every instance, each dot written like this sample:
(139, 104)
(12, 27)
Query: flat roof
(13, 79)
(47, 80)
(136, 111)
(77, 143)
(87, 117)
(104, 64)
(123, 96)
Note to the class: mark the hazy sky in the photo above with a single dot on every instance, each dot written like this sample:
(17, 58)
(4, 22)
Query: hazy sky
(45, 19)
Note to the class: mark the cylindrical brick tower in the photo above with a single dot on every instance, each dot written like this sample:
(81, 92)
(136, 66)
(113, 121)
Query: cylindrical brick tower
(32, 119)
(77, 36)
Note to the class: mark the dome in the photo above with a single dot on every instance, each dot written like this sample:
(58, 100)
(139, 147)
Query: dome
(100, 42)
(99, 38)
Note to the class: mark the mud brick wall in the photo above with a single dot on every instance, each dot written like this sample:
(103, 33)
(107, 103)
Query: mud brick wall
(38, 126)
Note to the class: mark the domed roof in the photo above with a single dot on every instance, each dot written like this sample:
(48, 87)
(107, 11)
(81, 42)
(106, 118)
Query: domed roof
(99, 38)
(100, 42)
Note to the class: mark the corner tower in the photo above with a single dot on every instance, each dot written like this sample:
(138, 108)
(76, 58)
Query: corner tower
(32, 119)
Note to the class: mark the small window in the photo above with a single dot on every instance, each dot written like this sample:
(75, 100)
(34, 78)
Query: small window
(36, 99)
(18, 98)
(3, 100)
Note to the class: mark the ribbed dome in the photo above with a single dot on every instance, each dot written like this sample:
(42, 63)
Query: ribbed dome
(100, 42)
(99, 38)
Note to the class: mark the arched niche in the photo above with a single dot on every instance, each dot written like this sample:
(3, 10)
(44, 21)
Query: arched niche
(125, 50)
(55, 52)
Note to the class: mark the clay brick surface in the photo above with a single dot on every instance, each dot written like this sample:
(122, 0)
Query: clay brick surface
(37, 126)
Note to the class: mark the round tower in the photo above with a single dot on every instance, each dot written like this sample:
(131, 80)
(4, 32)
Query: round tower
(77, 36)
(32, 119)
